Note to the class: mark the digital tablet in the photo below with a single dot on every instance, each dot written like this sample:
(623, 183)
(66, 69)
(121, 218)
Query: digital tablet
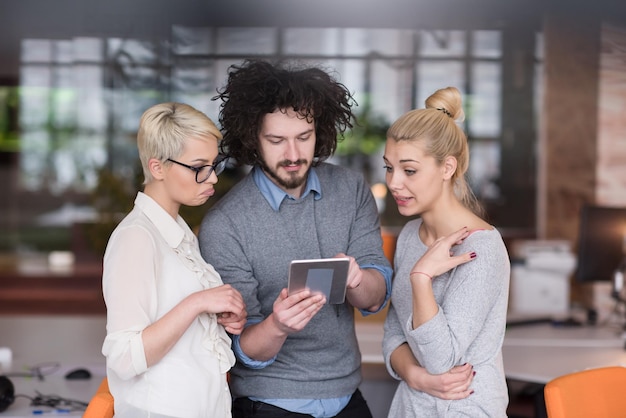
(326, 275)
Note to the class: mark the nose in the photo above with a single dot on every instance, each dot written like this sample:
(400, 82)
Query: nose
(292, 152)
(394, 181)
(212, 179)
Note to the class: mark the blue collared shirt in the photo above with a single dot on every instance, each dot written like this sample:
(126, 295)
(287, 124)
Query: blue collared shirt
(275, 195)
(319, 408)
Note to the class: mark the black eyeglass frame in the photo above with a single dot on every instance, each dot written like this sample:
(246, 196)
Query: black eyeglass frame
(217, 167)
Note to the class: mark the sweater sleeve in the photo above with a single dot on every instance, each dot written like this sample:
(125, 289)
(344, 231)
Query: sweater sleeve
(366, 240)
(221, 246)
(476, 295)
(394, 338)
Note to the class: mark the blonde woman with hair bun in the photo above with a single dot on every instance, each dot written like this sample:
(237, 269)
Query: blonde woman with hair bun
(450, 292)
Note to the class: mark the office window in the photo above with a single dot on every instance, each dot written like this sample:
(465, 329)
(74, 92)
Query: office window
(193, 40)
(62, 115)
(486, 44)
(485, 104)
(433, 75)
(311, 41)
(377, 42)
(441, 43)
(80, 99)
(248, 41)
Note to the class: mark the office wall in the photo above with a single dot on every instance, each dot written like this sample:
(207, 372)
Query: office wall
(567, 153)
(582, 152)
(611, 162)
(582, 149)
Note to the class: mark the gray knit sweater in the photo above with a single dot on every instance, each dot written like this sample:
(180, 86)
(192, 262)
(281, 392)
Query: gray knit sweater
(469, 326)
(251, 245)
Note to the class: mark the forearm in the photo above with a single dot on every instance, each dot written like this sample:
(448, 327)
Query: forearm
(455, 384)
(402, 361)
(159, 337)
(370, 293)
(262, 341)
(424, 303)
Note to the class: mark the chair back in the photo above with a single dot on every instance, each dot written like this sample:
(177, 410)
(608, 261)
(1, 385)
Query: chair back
(101, 404)
(589, 393)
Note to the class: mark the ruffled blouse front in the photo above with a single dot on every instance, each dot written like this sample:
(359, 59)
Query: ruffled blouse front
(152, 262)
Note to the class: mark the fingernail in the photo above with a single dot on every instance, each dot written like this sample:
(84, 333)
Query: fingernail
(472, 254)
(474, 374)
(471, 392)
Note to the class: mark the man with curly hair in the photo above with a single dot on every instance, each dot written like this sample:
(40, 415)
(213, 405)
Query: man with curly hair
(297, 356)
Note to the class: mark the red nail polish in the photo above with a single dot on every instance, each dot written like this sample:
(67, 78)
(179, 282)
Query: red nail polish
(472, 255)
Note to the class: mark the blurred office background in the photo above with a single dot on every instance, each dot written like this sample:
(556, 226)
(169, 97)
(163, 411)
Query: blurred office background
(544, 86)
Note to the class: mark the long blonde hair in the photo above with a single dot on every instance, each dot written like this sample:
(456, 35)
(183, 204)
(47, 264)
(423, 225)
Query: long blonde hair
(436, 127)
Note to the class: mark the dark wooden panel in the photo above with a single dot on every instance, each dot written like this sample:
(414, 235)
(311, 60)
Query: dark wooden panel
(43, 291)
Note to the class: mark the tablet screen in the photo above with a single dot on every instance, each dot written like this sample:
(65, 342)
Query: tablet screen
(326, 275)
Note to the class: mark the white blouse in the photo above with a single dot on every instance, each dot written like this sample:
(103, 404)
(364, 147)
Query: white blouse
(151, 263)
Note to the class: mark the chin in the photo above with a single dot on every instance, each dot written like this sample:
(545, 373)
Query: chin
(200, 201)
(406, 211)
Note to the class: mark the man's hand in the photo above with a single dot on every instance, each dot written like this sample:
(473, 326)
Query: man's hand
(292, 312)
(366, 287)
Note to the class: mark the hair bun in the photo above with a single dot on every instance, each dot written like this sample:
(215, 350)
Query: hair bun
(448, 101)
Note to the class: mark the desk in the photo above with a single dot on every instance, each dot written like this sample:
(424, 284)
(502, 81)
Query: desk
(539, 353)
(532, 353)
(69, 341)
(76, 390)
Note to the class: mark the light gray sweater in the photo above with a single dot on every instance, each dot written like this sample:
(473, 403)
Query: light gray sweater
(469, 326)
(251, 246)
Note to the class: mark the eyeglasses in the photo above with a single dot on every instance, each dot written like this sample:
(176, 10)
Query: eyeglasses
(204, 171)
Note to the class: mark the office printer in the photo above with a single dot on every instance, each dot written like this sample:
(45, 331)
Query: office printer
(540, 277)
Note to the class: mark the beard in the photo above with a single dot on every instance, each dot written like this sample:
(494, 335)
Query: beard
(292, 180)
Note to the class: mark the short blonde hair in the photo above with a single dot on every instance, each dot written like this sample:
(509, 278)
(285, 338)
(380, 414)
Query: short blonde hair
(436, 127)
(164, 129)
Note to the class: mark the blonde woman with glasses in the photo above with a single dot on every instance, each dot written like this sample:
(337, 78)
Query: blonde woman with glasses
(168, 313)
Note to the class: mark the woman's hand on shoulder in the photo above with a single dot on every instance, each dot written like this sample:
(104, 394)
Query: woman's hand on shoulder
(439, 258)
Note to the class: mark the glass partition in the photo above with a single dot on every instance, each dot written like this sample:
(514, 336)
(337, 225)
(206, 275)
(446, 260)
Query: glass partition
(68, 126)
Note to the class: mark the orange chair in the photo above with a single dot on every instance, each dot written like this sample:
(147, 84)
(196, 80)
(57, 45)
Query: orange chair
(101, 404)
(589, 393)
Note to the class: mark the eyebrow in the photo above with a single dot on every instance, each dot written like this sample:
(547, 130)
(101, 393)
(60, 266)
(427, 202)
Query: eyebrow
(202, 161)
(403, 161)
(271, 135)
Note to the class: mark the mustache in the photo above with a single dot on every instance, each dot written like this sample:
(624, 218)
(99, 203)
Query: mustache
(285, 163)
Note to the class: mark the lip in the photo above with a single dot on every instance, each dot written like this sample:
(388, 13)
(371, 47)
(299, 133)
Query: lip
(402, 200)
(209, 192)
(292, 168)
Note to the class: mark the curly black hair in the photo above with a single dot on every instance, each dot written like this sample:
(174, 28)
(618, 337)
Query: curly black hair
(256, 88)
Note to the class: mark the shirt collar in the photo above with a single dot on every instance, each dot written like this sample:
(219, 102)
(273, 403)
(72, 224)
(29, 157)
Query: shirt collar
(170, 229)
(275, 195)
